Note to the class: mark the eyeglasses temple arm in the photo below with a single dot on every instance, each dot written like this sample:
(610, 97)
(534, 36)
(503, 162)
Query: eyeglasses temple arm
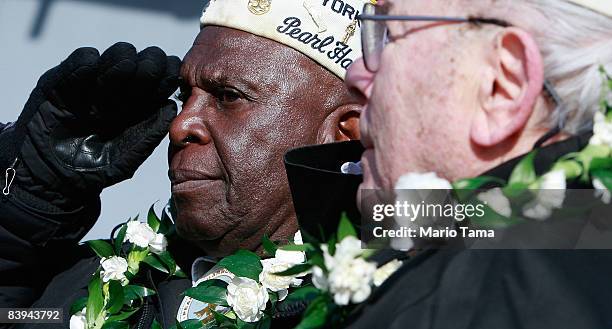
(562, 119)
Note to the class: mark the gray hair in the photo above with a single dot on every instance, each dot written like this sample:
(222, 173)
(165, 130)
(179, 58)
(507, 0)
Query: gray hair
(575, 43)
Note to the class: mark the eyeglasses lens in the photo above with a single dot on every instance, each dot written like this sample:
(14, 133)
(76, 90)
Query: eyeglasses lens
(374, 36)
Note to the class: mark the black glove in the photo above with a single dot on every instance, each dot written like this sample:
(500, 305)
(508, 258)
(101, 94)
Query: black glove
(90, 123)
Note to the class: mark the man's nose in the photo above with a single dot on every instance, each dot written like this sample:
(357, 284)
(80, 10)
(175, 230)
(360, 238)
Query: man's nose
(189, 128)
(359, 79)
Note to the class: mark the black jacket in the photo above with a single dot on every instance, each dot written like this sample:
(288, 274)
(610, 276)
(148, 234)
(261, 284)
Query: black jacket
(458, 288)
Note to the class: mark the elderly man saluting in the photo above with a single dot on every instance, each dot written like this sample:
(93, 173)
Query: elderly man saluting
(460, 88)
(262, 77)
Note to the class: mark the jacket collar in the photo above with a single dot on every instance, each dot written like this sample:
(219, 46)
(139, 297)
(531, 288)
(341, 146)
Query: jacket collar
(545, 156)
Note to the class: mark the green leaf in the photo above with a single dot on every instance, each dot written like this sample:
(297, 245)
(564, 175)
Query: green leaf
(156, 325)
(122, 315)
(605, 177)
(134, 258)
(273, 298)
(78, 305)
(345, 228)
(210, 291)
(243, 263)
(95, 300)
(296, 269)
(367, 253)
(571, 168)
(133, 292)
(120, 239)
(306, 293)
(331, 245)
(168, 261)
(180, 274)
(493, 220)
(315, 315)
(269, 246)
(298, 247)
(221, 319)
(166, 227)
(190, 324)
(317, 259)
(152, 219)
(308, 238)
(601, 164)
(464, 187)
(524, 173)
(476, 183)
(101, 248)
(116, 297)
(245, 325)
(155, 263)
(264, 323)
(116, 325)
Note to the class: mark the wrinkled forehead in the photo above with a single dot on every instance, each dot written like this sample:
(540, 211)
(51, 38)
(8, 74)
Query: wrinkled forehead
(226, 52)
(425, 7)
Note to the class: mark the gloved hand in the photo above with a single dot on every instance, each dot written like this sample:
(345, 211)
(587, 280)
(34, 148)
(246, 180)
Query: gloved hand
(90, 123)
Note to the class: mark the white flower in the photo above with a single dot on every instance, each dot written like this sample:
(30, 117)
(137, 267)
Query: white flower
(78, 320)
(602, 131)
(348, 249)
(158, 244)
(350, 281)
(496, 200)
(247, 298)
(297, 237)
(428, 181)
(292, 257)
(319, 279)
(350, 277)
(601, 191)
(282, 261)
(113, 268)
(385, 271)
(140, 234)
(277, 283)
(550, 195)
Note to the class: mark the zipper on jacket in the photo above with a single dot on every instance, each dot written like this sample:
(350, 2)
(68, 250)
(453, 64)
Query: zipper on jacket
(144, 318)
(9, 177)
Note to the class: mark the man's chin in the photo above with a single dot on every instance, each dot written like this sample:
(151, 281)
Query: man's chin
(200, 227)
(211, 239)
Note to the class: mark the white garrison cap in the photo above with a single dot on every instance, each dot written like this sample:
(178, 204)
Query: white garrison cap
(600, 6)
(327, 31)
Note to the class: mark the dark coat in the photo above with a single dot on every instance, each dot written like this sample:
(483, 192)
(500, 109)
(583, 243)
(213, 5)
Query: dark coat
(458, 288)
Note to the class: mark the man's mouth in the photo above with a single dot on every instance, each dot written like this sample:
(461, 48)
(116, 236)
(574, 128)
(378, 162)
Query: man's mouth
(189, 180)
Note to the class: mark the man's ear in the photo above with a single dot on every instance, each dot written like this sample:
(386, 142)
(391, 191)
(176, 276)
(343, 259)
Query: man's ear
(341, 125)
(510, 89)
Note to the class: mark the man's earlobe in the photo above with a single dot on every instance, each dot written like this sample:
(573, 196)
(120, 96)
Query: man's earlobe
(348, 125)
(341, 125)
(510, 89)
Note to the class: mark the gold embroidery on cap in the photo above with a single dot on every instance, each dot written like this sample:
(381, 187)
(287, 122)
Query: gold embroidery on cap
(259, 7)
(350, 32)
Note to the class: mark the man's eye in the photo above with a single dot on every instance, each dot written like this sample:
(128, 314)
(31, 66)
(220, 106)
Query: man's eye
(228, 95)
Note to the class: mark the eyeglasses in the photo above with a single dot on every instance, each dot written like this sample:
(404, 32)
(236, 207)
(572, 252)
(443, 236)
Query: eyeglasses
(375, 36)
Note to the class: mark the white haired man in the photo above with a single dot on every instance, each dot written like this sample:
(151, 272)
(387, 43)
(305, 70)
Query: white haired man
(463, 87)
